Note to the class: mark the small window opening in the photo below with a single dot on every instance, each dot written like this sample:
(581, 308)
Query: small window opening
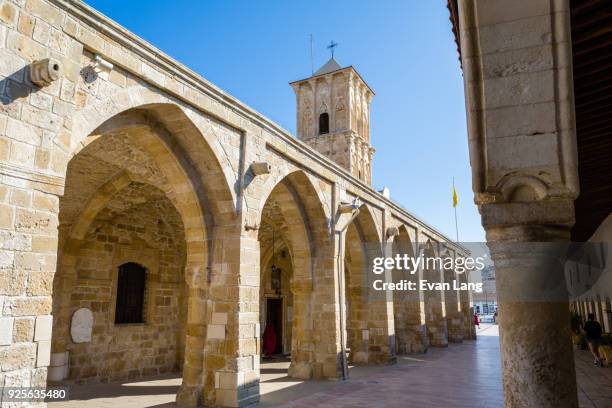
(323, 123)
(130, 294)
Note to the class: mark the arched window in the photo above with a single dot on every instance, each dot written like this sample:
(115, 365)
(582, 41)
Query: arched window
(323, 123)
(130, 294)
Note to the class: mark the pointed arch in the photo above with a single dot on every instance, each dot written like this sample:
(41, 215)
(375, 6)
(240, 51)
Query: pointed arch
(435, 312)
(146, 139)
(293, 209)
(367, 336)
(185, 126)
(410, 333)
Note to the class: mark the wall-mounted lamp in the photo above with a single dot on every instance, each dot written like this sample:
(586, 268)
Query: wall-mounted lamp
(345, 207)
(100, 64)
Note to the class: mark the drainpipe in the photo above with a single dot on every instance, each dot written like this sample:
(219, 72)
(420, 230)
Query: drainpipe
(353, 209)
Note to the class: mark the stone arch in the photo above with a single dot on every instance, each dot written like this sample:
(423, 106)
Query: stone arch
(452, 307)
(293, 210)
(305, 186)
(187, 190)
(116, 233)
(466, 308)
(192, 180)
(435, 315)
(323, 108)
(182, 122)
(367, 336)
(410, 332)
(403, 244)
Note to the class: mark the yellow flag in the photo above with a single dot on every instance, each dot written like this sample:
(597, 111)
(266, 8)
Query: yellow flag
(455, 199)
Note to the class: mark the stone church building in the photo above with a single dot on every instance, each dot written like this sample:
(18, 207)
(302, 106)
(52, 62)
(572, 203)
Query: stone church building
(539, 120)
(151, 222)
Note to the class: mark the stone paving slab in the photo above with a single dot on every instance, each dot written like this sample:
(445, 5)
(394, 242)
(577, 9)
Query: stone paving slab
(594, 383)
(463, 375)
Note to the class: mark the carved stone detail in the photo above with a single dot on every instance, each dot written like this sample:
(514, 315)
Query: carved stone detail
(82, 324)
(44, 72)
(260, 168)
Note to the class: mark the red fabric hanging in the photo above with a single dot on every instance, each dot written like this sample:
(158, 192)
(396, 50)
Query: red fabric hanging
(269, 340)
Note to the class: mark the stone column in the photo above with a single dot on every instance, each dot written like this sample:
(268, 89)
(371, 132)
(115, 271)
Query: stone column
(410, 330)
(537, 355)
(600, 310)
(607, 323)
(435, 314)
(302, 355)
(381, 325)
(232, 358)
(454, 317)
(223, 341)
(585, 310)
(516, 61)
(368, 325)
(467, 310)
(589, 308)
(192, 386)
(325, 311)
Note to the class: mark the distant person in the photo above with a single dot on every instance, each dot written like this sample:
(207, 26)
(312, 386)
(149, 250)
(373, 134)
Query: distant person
(495, 317)
(593, 332)
(476, 320)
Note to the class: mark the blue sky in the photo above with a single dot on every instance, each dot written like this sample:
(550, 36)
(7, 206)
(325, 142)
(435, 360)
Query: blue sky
(404, 49)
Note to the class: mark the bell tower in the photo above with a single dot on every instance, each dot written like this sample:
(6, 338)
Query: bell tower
(333, 117)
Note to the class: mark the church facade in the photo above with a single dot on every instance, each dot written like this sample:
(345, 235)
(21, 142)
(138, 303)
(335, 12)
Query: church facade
(151, 223)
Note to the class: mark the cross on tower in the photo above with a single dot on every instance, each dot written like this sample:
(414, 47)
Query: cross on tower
(331, 47)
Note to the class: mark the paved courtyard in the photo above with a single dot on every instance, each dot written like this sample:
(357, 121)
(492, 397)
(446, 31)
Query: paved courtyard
(463, 375)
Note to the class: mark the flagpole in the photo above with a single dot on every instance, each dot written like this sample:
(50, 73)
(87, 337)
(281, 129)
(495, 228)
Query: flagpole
(455, 207)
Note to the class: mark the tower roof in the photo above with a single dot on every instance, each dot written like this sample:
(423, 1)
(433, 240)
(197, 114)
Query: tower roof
(329, 66)
(332, 66)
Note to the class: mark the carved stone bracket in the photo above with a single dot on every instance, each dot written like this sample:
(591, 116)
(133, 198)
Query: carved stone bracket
(392, 232)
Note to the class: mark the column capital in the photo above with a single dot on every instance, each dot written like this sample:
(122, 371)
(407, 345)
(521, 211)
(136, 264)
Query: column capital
(537, 220)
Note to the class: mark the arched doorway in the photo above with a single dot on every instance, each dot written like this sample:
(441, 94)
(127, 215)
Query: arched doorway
(294, 245)
(276, 296)
(369, 333)
(133, 195)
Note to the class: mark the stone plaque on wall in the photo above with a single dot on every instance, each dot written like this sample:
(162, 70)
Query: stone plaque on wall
(82, 324)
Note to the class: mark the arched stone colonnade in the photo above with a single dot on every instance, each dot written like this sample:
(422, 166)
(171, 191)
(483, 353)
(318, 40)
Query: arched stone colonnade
(151, 165)
(211, 295)
(599, 306)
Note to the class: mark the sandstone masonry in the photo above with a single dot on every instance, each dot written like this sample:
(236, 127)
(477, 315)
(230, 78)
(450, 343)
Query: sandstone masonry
(147, 162)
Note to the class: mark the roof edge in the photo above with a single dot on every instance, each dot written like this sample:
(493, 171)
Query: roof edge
(332, 72)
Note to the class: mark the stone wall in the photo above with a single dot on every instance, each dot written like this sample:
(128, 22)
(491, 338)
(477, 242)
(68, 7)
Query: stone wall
(152, 121)
(138, 225)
